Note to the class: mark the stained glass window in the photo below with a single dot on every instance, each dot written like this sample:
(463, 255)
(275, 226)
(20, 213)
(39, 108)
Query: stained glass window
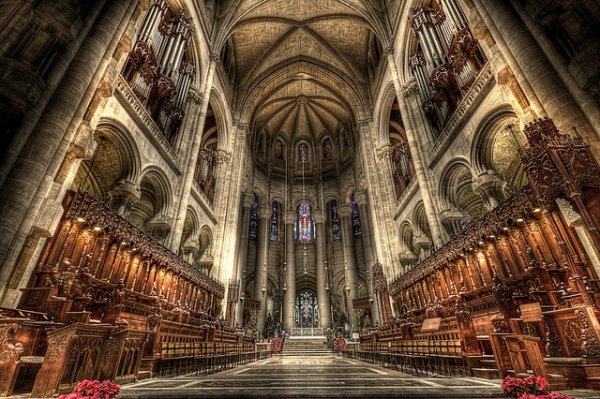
(303, 153)
(356, 227)
(307, 310)
(278, 149)
(254, 219)
(304, 228)
(335, 223)
(275, 221)
(327, 149)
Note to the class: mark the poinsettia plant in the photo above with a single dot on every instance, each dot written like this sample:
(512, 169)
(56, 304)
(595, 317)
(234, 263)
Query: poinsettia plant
(93, 389)
(339, 344)
(530, 387)
(276, 345)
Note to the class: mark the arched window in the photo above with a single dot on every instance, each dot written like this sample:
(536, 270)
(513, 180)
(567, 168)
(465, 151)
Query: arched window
(275, 221)
(303, 228)
(254, 219)
(303, 155)
(327, 149)
(335, 223)
(278, 149)
(307, 310)
(356, 227)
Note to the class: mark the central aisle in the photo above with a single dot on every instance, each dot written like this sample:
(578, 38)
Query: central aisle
(312, 377)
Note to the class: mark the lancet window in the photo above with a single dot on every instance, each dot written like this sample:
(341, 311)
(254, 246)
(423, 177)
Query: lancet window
(403, 169)
(304, 228)
(275, 219)
(303, 155)
(160, 69)
(327, 149)
(307, 310)
(446, 60)
(254, 219)
(335, 223)
(356, 225)
(204, 174)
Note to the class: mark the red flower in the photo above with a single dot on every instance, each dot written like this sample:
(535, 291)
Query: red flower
(339, 344)
(93, 389)
(276, 345)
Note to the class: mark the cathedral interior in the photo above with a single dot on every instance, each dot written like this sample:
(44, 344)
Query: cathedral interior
(183, 181)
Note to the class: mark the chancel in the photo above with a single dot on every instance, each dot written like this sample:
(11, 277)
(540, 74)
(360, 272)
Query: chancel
(247, 198)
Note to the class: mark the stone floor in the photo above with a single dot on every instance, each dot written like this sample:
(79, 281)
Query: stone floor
(312, 377)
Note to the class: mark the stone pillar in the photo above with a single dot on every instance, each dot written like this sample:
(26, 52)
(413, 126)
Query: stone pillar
(27, 183)
(350, 271)
(409, 93)
(361, 199)
(490, 187)
(421, 170)
(261, 272)
(123, 196)
(200, 101)
(289, 299)
(243, 256)
(322, 284)
(554, 97)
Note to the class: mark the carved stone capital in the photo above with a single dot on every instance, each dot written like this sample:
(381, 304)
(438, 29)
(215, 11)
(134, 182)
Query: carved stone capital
(319, 217)
(344, 210)
(290, 217)
(410, 89)
(389, 50)
(360, 197)
(363, 181)
(385, 151)
(248, 200)
(214, 57)
(364, 123)
(194, 96)
(264, 212)
(222, 156)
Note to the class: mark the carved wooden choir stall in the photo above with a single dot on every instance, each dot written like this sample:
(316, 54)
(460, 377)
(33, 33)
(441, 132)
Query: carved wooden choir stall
(106, 301)
(517, 291)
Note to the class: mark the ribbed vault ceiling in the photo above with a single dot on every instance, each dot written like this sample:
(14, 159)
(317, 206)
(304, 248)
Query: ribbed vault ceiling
(322, 48)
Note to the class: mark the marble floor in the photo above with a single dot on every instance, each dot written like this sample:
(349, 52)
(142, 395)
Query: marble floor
(312, 377)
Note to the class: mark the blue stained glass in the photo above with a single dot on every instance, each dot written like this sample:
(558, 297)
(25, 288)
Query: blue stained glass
(335, 223)
(304, 228)
(275, 221)
(254, 219)
(356, 227)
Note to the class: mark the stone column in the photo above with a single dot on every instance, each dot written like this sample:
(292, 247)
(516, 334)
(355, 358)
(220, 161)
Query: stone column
(350, 272)
(322, 284)
(243, 256)
(261, 272)
(123, 196)
(490, 187)
(361, 199)
(194, 131)
(21, 195)
(289, 299)
(409, 93)
(507, 27)
(200, 101)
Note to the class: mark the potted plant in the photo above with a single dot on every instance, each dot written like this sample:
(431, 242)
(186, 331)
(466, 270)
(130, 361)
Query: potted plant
(93, 389)
(530, 387)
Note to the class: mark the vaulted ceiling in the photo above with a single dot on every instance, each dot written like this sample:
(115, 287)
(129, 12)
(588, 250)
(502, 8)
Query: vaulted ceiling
(302, 66)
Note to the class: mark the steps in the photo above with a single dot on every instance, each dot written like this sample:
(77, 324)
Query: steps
(313, 346)
(487, 368)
